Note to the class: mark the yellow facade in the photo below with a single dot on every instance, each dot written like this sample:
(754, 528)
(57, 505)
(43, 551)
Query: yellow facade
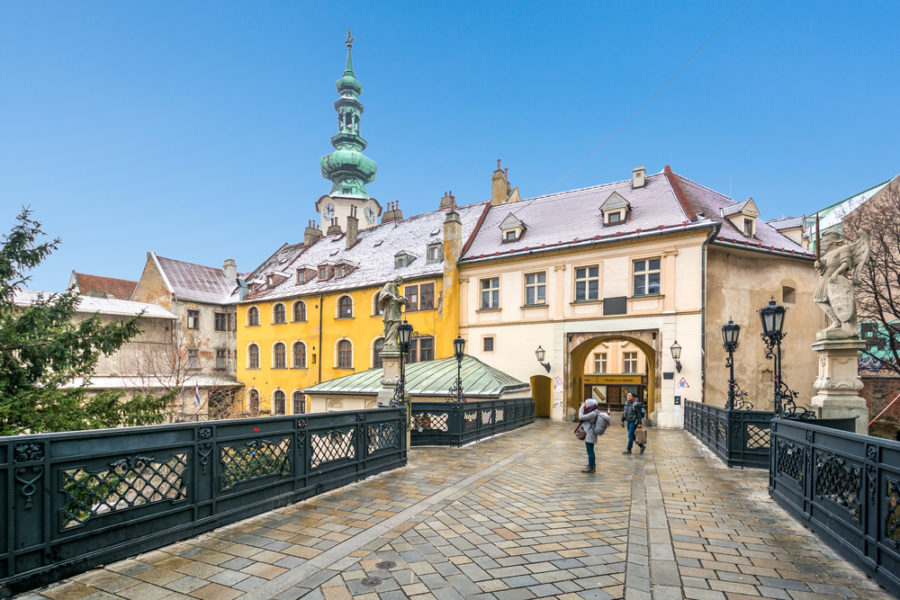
(323, 330)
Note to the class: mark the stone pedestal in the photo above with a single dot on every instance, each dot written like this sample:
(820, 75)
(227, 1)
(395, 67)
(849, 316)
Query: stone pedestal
(838, 382)
(391, 375)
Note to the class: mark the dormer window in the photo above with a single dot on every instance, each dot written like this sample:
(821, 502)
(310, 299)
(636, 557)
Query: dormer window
(748, 227)
(323, 273)
(340, 271)
(435, 252)
(743, 216)
(513, 229)
(615, 209)
(403, 259)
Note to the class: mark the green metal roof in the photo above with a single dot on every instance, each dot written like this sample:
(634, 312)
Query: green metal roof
(429, 378)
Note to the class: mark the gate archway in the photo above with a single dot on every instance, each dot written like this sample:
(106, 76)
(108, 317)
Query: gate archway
(541, 389)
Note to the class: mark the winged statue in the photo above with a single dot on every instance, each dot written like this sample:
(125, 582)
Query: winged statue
(840, 268)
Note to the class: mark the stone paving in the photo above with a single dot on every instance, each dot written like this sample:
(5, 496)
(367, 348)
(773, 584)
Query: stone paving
(509, 518)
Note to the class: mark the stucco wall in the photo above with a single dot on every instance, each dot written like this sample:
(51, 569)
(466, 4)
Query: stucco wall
(739, 284)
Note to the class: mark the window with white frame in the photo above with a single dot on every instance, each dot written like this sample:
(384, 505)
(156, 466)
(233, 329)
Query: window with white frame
(587, 283)
(279, 360)
(411, 293)
(299, 403)
(535, 288)
(646, 277)
(299, 355)
(252, 316)
(253, 356)
(599, 362)
(629, 362)
(279, 402)
(345, 354)
(490, 293)
(253, 401)
(345, 307)
(278, 313)
(377, 348)
(299, 310)
(435, 253)
(193, 319)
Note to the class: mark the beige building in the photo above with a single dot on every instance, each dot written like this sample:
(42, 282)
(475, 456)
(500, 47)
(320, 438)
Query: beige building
(640, 264)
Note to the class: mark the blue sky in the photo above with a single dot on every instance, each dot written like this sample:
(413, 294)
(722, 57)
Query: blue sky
(195, 129)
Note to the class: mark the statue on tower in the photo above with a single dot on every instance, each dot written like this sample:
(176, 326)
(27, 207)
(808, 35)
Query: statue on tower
(839, 270)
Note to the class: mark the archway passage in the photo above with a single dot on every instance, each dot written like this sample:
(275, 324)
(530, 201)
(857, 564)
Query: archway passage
(611, 382)
(541, 388)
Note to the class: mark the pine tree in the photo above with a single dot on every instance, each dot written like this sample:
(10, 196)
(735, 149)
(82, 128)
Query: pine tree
(42, 348)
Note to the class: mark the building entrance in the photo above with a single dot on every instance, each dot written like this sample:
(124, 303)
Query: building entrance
(610, 390)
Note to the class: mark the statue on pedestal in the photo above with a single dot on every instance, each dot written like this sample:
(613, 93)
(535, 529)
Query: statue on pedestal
(839, 269)
(389, 301)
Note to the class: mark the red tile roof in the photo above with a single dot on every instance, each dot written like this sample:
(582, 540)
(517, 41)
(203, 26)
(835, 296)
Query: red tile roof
(104, 287)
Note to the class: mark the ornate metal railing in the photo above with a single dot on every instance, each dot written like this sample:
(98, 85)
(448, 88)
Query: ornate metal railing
(80, 499)
(846, 488)
(741, 438)
(455, 424)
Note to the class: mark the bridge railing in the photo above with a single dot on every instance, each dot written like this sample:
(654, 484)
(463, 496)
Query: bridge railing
(452, 424)
(846, 488)
(741, 438)
(76, 500)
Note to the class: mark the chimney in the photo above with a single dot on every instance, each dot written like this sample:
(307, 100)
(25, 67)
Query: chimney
(448, 201)
(352, 228)
(637, 177)
(311, 234)
(499, 186)
(393, 213)
(230, 268)
(452, 238)
(334, 228)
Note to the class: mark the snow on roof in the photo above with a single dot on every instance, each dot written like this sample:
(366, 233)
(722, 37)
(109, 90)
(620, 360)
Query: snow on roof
(786, 222)
(833, 215)
(373, 254)
(104, 306)
(199, 283)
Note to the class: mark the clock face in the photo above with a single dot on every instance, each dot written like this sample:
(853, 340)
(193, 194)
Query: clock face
(328, 213)
(370, 214)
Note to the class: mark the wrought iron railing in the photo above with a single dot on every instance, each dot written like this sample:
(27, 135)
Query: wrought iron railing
(455, 424)
(741, 438)
(846, 488)
(80, 499)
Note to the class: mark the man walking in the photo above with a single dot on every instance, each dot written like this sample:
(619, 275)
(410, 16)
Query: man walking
(633, 415)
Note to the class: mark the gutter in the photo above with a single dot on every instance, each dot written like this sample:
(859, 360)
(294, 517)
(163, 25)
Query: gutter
(703, 250)
(321, 309)
(764, 250)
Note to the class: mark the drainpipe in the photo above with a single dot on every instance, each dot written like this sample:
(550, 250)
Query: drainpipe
(321, 308)
(703, 250)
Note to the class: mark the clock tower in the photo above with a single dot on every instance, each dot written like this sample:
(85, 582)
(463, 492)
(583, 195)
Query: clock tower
(347, 167)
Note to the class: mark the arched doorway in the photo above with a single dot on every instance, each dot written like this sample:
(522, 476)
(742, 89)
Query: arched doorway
(541, 387)
(582, 346)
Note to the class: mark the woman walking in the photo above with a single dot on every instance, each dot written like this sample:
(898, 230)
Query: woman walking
(593, 423)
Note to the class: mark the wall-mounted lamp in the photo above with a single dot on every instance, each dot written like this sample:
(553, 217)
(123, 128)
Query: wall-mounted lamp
(676, 355)
(540, 353)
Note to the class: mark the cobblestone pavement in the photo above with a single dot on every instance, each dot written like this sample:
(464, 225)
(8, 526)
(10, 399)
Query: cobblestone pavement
(509, 518)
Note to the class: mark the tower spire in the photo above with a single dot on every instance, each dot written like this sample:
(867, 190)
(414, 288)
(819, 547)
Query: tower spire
(347, 167)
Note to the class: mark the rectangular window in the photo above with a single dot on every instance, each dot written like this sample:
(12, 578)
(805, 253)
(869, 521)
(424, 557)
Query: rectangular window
(630, 362)
(535, 288)
(488, 344)
(490, 293)
(748, 227)
(511, 235)
(600, 362)
(412, 294)
(587, 283)
(615, 217)
(435, 253)
(221, 323)
(231, 322)
(426, 348)
(193, 319)
(426, 296)
(193, 359)
(323, 273)
(646, 277)
(413, 354)
(221, 359)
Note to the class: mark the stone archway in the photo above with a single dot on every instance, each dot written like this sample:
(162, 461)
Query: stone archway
(579, 347)
(541, 390)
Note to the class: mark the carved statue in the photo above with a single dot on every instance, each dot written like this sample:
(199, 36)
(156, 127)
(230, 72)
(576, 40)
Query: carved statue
(389, 301)
(839, 269)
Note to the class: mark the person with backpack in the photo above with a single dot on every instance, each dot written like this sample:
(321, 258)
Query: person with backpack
(591, 424)
(632, 415)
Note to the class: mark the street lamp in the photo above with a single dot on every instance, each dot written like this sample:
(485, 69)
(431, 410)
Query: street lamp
(456, 392)
(676, 355)
(540, 353)
(404, 334)
(772, 317)
(730, 333)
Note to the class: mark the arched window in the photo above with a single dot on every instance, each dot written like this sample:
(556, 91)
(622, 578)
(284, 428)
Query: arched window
(252, 316)
(345, 307)
(299, 402)
(253, 356)
(299, 355)
(253, 402)
(377, 347)
(278, 356)
(345, 354)
(299, 310)
(278, 313)
(279, 402)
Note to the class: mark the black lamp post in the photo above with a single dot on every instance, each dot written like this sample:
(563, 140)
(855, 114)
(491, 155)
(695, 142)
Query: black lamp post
(456, 392)
(772, 317)
(730, 333)
(540, 353)
(404, 334)
(676, 355)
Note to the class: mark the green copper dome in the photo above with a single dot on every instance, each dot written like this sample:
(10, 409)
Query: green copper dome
(347, 167)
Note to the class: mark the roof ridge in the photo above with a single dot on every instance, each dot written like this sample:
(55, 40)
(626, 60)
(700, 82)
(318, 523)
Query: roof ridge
(590, 187)
(184, 262)
(708, 189)
(683, 201)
